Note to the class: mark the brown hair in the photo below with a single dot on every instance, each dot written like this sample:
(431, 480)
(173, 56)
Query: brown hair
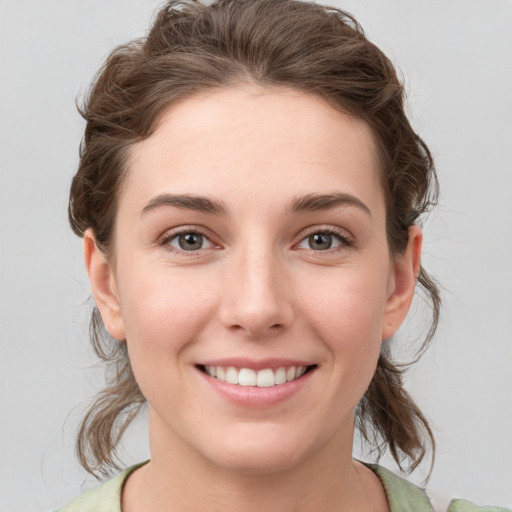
(193, 47)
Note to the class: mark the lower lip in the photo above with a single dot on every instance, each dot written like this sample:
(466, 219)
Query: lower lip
(253, 396)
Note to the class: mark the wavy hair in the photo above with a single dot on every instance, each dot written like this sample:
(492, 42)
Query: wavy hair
(194, 46)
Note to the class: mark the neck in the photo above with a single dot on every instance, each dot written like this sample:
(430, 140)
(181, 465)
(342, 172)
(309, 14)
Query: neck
(179, 479)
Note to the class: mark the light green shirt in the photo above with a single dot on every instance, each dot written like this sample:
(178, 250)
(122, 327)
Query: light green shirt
(402, 496)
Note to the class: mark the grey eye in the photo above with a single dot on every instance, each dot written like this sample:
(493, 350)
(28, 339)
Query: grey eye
(320, 241)
(190, 241)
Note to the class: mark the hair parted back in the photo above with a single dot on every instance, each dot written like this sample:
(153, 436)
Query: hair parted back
(193, 47)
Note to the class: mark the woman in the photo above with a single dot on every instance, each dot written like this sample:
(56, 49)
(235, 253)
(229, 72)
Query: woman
(248, 194)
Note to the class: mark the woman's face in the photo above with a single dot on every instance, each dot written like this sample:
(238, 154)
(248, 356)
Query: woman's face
(250, 243)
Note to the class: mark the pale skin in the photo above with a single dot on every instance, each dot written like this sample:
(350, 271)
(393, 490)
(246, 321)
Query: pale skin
(256, 270)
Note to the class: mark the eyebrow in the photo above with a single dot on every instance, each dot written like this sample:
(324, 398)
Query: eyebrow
(188, 202)
(316, 202)
(302, 204)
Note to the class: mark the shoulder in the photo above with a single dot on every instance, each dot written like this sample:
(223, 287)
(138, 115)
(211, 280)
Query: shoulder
(403, 496)
(104, 498)
(466, 506)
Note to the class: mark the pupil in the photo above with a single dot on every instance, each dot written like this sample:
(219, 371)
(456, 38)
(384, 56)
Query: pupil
(191, 241)
(320, 241)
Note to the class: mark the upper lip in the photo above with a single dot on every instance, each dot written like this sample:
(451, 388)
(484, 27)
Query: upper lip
(254, 364)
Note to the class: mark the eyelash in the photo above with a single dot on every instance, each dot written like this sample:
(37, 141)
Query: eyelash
(171, 235)
(344, 240)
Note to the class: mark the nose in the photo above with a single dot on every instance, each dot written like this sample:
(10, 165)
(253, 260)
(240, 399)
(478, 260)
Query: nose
(256, 298)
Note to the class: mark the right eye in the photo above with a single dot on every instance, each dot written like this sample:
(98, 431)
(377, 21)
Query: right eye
(188, 241)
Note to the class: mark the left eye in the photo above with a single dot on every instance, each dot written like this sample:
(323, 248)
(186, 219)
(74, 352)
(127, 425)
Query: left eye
(189, 241)
(321, 241)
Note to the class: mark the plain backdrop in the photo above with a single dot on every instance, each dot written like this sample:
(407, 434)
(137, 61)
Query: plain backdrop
(456, 59)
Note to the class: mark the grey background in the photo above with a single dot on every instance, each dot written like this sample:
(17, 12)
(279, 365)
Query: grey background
(456, 59)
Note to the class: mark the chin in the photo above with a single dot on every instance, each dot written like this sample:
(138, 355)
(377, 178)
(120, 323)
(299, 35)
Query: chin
(262, 454)
(253, 463)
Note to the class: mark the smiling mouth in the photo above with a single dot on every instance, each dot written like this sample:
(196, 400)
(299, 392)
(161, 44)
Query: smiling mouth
(265, 378)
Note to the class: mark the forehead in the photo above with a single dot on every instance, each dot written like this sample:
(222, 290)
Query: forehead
(251, 140)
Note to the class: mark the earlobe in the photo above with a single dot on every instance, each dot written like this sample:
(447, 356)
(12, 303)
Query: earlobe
(403, 279)
(103, 286)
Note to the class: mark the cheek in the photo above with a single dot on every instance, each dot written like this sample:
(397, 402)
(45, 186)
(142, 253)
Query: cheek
(163, 314)
(160, 298)
(346, 302)
(348, 317)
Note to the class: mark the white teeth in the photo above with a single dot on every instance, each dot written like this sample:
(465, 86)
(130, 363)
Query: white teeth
(220, 373)
(211, 370)
(247, 377)
(232, 375)
(280, 376)
(265, 378)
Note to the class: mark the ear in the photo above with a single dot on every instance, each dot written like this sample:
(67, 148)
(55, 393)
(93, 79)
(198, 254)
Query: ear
(102, 279)
(402, 283)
